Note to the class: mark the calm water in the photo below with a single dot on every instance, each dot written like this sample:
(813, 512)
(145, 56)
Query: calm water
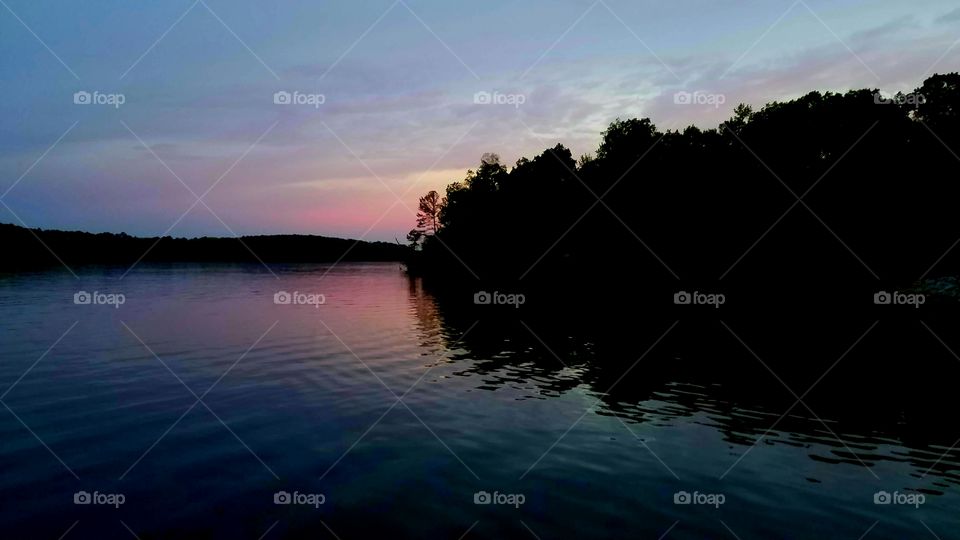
(298, 398)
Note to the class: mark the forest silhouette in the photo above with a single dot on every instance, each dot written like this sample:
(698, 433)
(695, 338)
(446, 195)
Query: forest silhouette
(37, 248)
(831, 195)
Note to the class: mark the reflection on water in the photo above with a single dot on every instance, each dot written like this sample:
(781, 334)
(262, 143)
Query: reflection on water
(200, 398)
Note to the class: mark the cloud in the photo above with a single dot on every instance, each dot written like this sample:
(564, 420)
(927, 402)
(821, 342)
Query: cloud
(950, 16)
(891, 50)
(402, 113)
(884, 32)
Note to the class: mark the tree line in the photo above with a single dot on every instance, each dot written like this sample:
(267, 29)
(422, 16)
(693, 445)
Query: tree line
(827, 192)
(38, 248)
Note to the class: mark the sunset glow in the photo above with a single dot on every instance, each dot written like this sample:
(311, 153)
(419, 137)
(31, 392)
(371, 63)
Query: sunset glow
(398, 83)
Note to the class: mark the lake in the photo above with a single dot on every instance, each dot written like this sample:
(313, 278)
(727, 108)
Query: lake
(213, 402)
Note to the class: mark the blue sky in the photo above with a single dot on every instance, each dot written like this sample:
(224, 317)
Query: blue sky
(398, 80)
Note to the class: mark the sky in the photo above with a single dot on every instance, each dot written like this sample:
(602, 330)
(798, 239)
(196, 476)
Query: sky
(240, 117)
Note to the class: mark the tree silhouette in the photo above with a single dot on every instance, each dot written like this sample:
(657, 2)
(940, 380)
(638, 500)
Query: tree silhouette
(38, 248)
(428, 218)
(877, 175)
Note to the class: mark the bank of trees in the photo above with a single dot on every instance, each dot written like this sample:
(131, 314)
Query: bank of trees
(827, 190)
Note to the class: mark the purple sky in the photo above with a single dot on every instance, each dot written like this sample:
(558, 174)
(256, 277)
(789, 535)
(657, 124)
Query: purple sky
(388, 93)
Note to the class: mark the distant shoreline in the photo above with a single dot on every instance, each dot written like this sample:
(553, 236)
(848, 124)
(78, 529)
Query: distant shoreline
(30, 249)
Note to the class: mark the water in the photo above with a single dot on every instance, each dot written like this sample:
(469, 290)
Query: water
(299, 398)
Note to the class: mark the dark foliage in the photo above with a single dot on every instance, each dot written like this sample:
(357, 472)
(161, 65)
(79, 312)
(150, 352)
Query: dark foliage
(876, 181)
(35, 248)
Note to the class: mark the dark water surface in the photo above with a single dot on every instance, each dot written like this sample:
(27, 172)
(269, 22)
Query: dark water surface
(199, 399)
